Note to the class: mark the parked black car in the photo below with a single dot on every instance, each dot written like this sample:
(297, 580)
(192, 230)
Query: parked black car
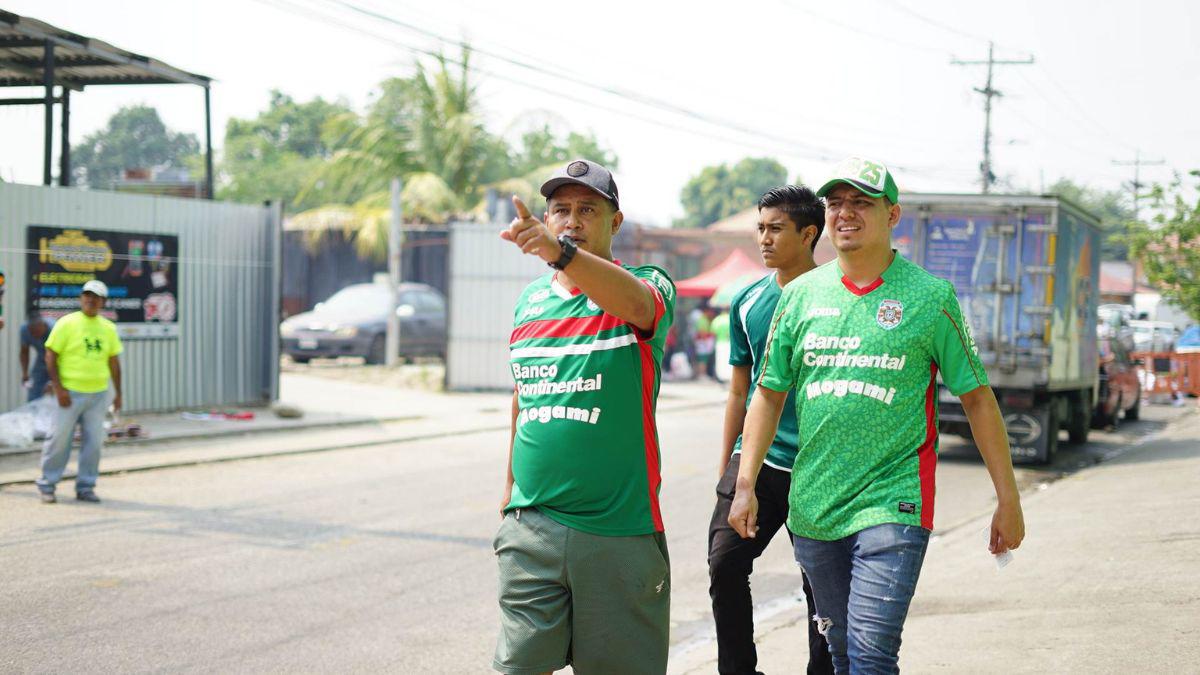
(353, 322)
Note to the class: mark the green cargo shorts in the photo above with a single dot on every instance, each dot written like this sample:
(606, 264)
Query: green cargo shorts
(600, 604)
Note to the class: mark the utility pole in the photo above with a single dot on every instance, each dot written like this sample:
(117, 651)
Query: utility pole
(1136, 186)
(395, 277)
(987, 177)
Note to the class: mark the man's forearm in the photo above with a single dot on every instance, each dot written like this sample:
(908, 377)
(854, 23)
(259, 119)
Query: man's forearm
(613, 289)
(987, 428)
(735, 413)
(735, 419)
(24, 362)
(115, 369)
(762, 422)
(52, 369)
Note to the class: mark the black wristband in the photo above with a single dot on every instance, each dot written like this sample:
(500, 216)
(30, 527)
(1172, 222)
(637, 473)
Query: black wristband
(568, 252)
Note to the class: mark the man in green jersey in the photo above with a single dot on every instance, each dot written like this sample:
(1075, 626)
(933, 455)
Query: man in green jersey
(790, 220)
(862, 341)
(584, 574)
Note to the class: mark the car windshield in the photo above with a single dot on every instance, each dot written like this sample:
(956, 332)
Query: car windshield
(358, 300)
(1190, 337)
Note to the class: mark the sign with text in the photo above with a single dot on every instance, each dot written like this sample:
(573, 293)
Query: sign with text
(140, 270)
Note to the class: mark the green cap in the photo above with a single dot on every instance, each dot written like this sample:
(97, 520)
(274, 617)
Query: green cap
(869, 177)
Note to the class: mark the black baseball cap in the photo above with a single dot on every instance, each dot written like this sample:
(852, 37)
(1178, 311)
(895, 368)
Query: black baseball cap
(588, 174)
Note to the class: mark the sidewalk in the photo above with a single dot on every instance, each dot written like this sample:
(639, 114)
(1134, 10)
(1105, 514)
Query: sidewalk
(337, 414)
(1105, 581)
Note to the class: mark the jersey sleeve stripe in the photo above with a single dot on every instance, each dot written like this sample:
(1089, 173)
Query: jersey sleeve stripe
(660, 308)
(561, 328)
(966, 350)
(927, 453)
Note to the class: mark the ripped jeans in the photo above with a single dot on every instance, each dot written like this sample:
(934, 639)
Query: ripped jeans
(862, 586)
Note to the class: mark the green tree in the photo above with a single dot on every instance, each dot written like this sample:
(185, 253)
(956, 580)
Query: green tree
(134, 138)
(1169, 248)
(275, 154)
(1110, 206)
(428, 130)
(722, 190)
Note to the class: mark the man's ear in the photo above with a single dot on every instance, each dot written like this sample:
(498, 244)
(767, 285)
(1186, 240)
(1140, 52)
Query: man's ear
(894, 215)
(618, 218)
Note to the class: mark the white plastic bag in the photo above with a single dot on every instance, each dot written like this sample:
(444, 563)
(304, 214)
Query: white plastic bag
(16, 428)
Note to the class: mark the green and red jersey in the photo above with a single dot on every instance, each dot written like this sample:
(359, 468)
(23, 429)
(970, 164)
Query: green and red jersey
(586, 449)
(864, 364)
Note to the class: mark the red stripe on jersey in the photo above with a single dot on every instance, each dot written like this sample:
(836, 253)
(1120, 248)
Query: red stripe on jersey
(568, 327)
(650, 431)
(964, 346)
(927, 453)
(861, 291)
(660, 308)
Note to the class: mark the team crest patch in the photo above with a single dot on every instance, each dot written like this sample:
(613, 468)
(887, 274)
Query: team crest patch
(592, 306)
(889, 315)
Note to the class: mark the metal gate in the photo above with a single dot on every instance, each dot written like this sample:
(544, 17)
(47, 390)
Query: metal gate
(487, 275)
(224, 348)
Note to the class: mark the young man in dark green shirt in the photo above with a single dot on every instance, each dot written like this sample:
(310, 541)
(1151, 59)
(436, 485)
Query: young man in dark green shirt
(790, 220)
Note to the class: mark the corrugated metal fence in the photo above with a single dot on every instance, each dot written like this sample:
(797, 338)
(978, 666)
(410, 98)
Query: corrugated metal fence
(227, 350)
(487, 275)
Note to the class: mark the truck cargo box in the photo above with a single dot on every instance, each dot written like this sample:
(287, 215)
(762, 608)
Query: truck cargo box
(1026, 270)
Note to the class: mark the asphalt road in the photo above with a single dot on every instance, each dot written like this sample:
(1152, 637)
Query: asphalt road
(374, 559)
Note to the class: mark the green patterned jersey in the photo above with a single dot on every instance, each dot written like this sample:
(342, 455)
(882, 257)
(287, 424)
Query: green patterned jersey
(749, 326)
(864, 363)
(586, 445)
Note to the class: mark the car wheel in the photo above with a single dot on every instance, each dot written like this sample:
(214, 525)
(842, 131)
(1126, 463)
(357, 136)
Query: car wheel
(301, 359)
(1052, 427)
(376, 354)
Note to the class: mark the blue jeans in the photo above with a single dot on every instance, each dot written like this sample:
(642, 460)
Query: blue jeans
(37, 385)
(862, 586)
(87, 410)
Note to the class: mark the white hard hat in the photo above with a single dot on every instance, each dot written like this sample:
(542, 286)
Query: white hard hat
(96, 287)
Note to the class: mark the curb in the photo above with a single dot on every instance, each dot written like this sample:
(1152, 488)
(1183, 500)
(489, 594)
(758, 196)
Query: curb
(152, 465)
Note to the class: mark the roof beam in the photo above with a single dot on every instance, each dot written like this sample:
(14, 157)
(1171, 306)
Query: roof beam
(36, 74)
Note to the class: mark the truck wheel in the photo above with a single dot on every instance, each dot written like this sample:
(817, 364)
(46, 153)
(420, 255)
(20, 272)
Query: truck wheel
(1080, 422)
(1052, 427)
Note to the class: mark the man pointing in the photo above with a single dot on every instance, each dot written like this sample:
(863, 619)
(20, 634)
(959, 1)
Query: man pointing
(584, 574)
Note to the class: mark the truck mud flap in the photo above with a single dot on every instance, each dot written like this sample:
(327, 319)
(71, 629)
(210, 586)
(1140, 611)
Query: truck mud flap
(1029, 435)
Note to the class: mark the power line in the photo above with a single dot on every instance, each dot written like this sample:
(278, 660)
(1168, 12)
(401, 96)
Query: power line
(792, 148)
(985, 167)
(1137, 185)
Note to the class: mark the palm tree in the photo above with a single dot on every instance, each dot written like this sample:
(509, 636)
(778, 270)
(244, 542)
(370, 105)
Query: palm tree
(424, 129)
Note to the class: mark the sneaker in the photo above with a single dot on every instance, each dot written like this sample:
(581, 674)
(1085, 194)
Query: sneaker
(48, 497)
(88, 496)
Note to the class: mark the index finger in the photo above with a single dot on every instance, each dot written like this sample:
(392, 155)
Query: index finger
(522, 210)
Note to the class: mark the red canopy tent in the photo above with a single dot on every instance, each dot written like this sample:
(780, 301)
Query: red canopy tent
(706, 283)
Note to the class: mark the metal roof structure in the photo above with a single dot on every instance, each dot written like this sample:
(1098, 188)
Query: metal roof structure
(35, 54)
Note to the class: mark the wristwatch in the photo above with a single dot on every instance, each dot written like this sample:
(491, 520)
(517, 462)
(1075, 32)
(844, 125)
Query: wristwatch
(568, 252)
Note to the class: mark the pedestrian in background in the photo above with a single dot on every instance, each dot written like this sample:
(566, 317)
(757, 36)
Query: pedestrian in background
(790, 220)
(584, 575)
(82, 359)
(33, 338)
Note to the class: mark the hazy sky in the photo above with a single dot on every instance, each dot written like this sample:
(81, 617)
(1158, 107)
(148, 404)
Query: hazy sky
(700, 83)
